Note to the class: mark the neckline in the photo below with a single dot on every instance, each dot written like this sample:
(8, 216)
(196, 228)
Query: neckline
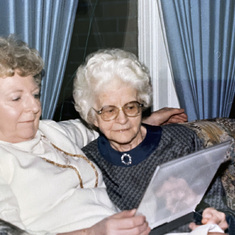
(27, 145)
(135, 155)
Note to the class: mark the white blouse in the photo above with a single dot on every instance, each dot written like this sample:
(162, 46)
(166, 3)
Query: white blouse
(45, 190)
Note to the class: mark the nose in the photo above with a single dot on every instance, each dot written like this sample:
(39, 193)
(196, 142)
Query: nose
(32, 104)
(121, 118)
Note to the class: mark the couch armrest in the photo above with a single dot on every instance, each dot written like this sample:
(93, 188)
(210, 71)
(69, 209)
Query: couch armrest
(214, 131)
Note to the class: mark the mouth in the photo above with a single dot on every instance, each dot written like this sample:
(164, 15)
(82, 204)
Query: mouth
(122, 130)
(28, 121)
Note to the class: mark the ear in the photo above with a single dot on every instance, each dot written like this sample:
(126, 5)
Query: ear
(95, 123)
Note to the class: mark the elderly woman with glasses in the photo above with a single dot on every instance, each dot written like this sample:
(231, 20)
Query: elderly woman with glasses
(111, 90)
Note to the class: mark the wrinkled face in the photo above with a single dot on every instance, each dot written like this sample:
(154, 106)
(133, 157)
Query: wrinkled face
(123, 133)
(20, 108)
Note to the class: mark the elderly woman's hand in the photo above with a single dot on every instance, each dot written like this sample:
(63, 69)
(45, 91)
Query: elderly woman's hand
(125, 222)
(165, 116)
(212, 216)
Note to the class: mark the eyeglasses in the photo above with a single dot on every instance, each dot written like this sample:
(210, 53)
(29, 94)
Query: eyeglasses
(110, 112)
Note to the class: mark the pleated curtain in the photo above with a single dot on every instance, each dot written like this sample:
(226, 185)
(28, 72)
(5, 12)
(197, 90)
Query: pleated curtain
(200, 36)
(46, 25)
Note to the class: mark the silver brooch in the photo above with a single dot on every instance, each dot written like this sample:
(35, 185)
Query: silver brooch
(126, 159)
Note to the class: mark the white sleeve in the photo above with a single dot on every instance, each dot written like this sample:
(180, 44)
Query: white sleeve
(78, 132)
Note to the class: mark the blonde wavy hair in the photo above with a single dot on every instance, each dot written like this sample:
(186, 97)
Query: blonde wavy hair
(16, 55)
(99, 70)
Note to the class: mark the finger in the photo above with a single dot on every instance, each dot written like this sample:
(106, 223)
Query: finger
(193, 226)
(122, 223)
(182, 116)
(124, 214)
(223, 225)
(205, 221)
(176, 113)
(171, 110)
(212, 216)
(140, 230)
(176, 119)
(128, 219)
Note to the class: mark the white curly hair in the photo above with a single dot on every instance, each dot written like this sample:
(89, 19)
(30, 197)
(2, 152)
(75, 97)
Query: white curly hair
(99, 70)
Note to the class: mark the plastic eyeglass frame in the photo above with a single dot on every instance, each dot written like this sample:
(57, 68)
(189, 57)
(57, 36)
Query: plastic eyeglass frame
(99, 112)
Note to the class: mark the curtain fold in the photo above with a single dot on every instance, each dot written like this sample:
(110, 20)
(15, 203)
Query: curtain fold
(200, 35)
(46, 25)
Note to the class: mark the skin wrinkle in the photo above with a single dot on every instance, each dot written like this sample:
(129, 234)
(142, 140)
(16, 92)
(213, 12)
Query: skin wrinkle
(124, 133)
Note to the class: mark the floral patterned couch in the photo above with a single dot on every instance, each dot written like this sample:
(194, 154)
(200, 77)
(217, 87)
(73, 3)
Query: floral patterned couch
(214, 131)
